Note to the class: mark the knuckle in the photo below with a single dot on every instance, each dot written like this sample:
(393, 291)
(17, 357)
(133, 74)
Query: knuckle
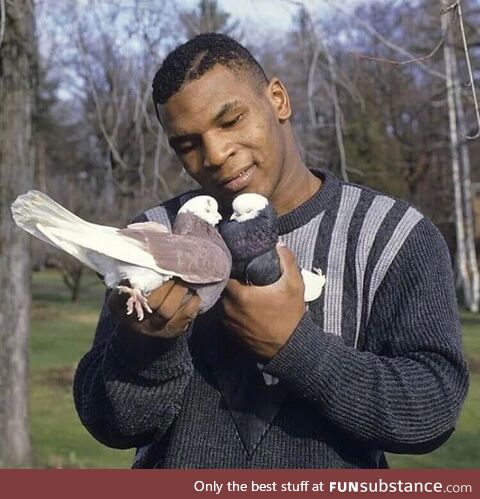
(191, 308)
(242, 295)
(227, 306)
(166, 311)
(172, 303)
(157, 296)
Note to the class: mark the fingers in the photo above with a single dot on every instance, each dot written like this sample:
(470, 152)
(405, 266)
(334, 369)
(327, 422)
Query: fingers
(157, 296)
(172, 301)
(183, 316)
(169, 310)
(191, 308)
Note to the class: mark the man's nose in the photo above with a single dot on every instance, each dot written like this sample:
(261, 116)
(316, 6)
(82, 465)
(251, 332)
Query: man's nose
(217, 149)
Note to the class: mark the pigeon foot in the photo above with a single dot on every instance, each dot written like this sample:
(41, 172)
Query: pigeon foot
(137, 301)
(318, 271)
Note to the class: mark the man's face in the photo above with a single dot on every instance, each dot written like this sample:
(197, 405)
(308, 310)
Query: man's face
(227, 134)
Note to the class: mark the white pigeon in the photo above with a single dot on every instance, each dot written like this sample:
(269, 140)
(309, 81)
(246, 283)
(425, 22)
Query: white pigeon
(146, 254)
(251, 236)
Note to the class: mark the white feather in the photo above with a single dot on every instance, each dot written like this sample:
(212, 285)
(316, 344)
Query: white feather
(140, 277)
(248, 206)
(92, 244)
(204, 207)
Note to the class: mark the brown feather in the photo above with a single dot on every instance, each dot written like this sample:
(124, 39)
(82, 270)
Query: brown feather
(198, 258)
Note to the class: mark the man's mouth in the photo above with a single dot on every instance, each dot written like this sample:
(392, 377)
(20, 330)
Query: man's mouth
(239, 180)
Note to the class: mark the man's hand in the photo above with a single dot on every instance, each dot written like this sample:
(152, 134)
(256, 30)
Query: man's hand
(172, 311)
(265, 317)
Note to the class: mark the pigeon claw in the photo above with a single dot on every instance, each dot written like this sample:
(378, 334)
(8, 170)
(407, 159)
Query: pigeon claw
(137, 301)
(317, 270)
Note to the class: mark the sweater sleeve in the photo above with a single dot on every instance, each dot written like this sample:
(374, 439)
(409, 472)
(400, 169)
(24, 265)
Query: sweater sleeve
(128, 388)
(404, 391)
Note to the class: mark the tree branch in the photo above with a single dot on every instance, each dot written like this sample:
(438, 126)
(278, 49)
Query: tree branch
(2, 20)
(451, 7)
(410, 61)
(471, 83)
(368, 27)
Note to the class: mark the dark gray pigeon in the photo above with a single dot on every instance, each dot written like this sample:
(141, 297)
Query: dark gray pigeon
(146, 254)
(251, 235)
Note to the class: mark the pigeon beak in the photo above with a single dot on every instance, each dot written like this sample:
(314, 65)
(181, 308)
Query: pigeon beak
(234, 216)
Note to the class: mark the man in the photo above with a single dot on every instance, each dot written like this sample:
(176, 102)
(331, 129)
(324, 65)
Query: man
(375, 364)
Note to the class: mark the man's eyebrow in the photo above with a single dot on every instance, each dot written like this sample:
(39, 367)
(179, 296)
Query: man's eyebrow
(226, 108)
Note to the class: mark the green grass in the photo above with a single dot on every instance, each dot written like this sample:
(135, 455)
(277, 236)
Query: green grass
(62, 332)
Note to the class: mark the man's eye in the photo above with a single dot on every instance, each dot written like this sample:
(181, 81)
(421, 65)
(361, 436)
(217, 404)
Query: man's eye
(184, 149)
(233, 122)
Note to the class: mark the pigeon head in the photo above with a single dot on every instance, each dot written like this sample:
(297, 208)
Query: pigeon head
(248, 206)
(204, 207)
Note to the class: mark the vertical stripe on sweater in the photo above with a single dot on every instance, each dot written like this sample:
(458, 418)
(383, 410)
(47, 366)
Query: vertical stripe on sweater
(376, 214)
(399, 236)
(301, 241)
(336, 261)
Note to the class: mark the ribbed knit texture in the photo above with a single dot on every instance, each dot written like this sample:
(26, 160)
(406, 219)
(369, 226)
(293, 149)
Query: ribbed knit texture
(374, 365)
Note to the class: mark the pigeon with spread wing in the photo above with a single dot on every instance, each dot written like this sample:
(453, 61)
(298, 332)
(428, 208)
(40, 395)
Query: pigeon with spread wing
(146, 254)
(251, 235)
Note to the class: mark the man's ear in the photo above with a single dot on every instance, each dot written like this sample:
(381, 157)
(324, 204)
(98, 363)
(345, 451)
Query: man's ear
(278, 95)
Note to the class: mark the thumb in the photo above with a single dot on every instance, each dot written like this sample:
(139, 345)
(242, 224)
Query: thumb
(288, 262)
(290, 268)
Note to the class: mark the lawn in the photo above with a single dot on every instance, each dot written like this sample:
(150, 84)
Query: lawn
(62, 332)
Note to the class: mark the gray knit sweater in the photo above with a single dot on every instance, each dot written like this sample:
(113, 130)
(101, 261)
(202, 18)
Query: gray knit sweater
(374, 365)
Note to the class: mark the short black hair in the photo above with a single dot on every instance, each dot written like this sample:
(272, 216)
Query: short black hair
(194, 58)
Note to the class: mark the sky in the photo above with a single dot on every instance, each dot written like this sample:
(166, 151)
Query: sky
(260, 19)
(269, 14)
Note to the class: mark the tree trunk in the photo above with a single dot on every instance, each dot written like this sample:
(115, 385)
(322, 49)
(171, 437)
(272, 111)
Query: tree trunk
(467, 191)
(17, 91)
(456, 173)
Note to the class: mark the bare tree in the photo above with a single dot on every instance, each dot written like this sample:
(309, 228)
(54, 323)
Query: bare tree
(17, 104)
(206, 18)
(466, 255)
(367, 85)
(467, 189)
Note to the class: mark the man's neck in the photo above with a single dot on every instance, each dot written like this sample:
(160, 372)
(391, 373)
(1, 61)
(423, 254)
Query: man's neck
(296, 186)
